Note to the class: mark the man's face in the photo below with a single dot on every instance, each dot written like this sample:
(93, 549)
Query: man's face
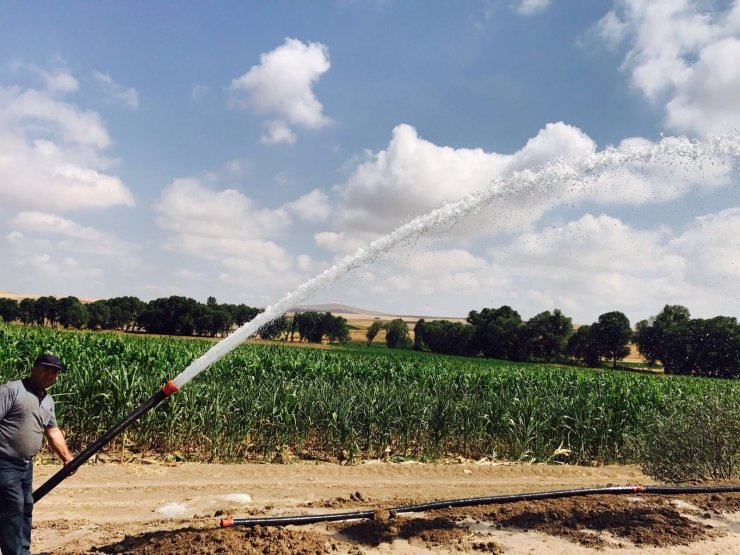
(45, 376)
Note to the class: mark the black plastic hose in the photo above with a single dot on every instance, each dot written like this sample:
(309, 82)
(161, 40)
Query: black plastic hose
(473, 501)
(107, 436)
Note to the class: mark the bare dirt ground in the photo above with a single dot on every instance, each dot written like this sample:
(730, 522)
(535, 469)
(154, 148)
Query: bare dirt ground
(160, 509)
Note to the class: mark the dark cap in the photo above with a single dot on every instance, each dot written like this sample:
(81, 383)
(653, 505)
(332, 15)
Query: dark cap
(50, 360)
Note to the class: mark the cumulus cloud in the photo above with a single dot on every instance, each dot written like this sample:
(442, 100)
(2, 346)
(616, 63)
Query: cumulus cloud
(278, 133)
(58, 80)
(189, 208)
(227, 229)
(412, 176)
(69, 234)
(312, 207)
(281, 85)
(684, 54)
(116, 93)
(712, 245)
(531, 7)
(339, 242)
(51, 155)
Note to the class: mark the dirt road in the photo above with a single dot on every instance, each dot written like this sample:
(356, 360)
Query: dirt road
(152, 508)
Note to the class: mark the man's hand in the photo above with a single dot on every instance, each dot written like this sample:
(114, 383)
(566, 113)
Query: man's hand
(58, 444)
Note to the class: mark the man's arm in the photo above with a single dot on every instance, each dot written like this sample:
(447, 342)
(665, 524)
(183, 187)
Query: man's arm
(58, 444)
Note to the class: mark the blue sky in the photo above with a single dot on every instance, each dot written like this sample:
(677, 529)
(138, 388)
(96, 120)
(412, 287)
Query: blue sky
(237, 149)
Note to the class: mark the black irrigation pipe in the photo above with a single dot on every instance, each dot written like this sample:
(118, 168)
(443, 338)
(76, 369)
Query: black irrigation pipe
(474, 501)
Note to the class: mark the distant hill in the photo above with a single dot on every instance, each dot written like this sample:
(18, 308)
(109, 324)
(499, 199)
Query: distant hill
(363, 313)
(336, 308)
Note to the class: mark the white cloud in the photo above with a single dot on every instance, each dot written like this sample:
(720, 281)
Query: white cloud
(186, 207)
(74, 236)
(339, 243)
(281, 85)
(278, 133)
(59, 80)
(312, 207)
(227, 229)
(712, 246)
(413, 176)
(31, 110)
(684, 53)
(304, 262)
(50, 155)
(531, 7)
(58, 269)
(116, 93)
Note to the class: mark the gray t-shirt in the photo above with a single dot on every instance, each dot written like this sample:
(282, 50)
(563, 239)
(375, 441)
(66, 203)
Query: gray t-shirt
(23, 418)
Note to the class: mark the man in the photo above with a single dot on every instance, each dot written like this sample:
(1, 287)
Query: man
(26, 416)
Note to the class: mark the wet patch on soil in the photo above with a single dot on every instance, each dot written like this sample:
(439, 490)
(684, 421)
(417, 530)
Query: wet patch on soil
(436, 532)
(643, 521)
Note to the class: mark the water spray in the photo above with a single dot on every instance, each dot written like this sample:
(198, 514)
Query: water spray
(524, 183)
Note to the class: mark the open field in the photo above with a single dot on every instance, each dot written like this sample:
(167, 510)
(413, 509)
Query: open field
(168, 510)
(276, 403)
(360, 430)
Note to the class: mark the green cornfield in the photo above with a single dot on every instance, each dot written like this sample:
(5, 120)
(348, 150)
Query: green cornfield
(263, 402)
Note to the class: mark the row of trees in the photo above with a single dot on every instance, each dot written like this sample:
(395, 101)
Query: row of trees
(311, 327)
(501, 333)
(681, 344)
(171, 316)
(685, 345)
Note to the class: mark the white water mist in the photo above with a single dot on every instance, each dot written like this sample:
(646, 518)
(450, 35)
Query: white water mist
(669, 151)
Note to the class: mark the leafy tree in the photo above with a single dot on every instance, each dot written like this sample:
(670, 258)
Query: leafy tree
(71, 313)
(397, 334)
(648, 342)
(548, 334)
(612, 334)
(419, 344)
(98, 315)
(243, 314)
(582, 345)
(45, 311)
(174, 315)
(451, 338)
(273, 329)
(310, 326)
(9, 310)
(221, 322)
(373, 330)
(124, 312)
(498, 333)
(703, 347)
(336, 329)
(26, 311)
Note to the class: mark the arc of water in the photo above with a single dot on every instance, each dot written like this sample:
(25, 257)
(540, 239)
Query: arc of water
(586, 170)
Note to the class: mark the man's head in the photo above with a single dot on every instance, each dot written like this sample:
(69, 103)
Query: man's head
(45, 370)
